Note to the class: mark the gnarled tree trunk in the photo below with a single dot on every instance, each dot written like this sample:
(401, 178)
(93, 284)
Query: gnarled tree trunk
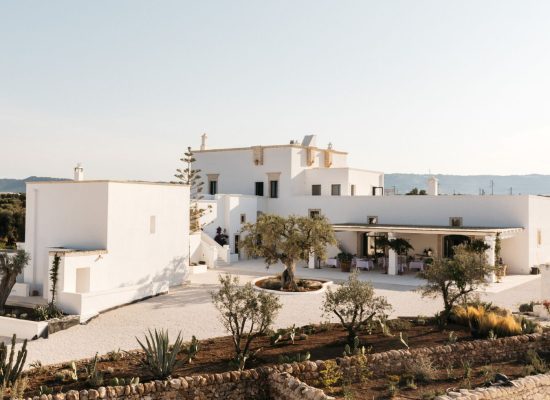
(7, 281)
(288, 278)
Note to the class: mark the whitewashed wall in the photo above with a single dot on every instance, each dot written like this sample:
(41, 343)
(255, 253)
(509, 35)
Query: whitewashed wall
(493, 211)
(134, 259)
(62, 215)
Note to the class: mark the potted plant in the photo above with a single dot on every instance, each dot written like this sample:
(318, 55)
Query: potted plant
(344, 259)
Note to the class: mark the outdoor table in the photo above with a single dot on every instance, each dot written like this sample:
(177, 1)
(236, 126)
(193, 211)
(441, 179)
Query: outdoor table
(332, 262)
(419, 265)
(364, 264)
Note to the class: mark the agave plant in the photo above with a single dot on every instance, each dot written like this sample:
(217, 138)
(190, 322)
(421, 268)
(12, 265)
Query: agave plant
(159, 356)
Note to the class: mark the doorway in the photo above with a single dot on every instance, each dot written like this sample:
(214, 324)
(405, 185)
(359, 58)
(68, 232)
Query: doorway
(236, 246)
(450, 241)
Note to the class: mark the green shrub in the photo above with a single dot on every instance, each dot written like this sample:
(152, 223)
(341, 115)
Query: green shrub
(421, 368)
(47, 312)
(393, 384)
(533, 360)
(245, 313)
(399, 324)
(527, 307)
(331, 375)
(355, 305)
(529, 326)
(93, 376)
(453, 338)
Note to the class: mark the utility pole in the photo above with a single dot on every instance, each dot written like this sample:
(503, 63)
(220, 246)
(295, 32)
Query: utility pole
(492, 187)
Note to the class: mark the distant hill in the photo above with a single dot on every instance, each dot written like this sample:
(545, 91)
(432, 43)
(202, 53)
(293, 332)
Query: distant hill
(472, 184)
(18, 185)
(448, 184)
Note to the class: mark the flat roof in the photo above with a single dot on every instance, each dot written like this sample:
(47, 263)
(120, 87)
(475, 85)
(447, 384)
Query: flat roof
(442, 229)
(273, 146)
(104, 181)
(76, 252)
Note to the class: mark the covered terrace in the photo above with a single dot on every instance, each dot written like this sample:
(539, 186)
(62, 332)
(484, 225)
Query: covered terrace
(427, 240)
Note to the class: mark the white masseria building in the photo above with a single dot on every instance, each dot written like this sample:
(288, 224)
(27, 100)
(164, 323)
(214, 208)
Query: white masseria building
(117, 241)
(304, 179)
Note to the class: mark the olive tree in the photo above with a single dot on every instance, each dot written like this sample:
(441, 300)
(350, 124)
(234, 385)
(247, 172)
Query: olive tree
(455, 279)
(355, 305)
(245, 313)
(10, 267)
(288, 240)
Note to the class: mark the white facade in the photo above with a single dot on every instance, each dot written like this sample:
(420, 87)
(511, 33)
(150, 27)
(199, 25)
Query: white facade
(522, 222)
(118, 241)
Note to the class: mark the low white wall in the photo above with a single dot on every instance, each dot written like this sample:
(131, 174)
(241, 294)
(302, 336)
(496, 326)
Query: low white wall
(22, 328)
(21, 290)
(88, 305)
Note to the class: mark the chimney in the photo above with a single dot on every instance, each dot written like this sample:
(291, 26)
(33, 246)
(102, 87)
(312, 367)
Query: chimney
(78, 172)
(309, 141)
(433, 186)
(203, 141)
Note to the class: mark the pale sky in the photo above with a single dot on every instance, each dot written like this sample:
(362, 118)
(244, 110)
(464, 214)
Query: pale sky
(457, 87)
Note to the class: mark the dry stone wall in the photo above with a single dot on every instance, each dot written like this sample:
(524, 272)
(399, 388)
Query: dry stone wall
(535, 387)
(286, 387)
(394, 362)
(275, 382)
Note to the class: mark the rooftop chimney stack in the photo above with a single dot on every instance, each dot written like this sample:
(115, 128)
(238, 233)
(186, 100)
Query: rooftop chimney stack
(203, 141)
(433, 186)
(78, 172)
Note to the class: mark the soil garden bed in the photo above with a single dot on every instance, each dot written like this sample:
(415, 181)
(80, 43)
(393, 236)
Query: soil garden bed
(25, 313)
(454, 379)
(304, 285)
(322, 342)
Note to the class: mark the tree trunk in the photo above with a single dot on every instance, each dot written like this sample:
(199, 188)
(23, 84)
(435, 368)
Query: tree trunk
(6, 285)
(447, 308)
(289, 280)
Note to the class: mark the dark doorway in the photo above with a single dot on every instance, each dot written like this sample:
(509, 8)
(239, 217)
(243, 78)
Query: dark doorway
(450, 241)
(236, 244)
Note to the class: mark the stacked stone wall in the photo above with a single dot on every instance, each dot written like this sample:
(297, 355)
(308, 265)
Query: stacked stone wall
(535, 387)
(276, 382)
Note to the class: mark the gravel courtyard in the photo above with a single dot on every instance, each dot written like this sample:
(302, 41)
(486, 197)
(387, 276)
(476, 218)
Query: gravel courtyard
(189, 309)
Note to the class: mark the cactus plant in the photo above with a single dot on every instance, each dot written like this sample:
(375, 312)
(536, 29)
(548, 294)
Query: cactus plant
(11, 367)
(357, 350)
(192, 349)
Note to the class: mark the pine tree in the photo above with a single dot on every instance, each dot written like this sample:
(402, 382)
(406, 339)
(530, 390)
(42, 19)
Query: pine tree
(191, 177)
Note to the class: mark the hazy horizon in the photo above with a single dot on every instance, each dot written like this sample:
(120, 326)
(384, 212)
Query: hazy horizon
(455, 88)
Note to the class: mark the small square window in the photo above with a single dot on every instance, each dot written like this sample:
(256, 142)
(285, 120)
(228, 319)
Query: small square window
(314, 213)
(455, 222)
(243, 218)
(315, 190)
(335, 190)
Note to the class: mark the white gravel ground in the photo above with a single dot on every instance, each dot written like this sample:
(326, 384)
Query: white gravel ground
(190, 310)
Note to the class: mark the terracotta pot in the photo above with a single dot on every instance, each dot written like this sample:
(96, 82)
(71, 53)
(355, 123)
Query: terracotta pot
(345, 266)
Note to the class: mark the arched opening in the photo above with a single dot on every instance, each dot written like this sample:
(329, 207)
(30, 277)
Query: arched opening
(450, 241)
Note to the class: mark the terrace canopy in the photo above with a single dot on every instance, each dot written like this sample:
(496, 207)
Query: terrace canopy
(439, 234)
